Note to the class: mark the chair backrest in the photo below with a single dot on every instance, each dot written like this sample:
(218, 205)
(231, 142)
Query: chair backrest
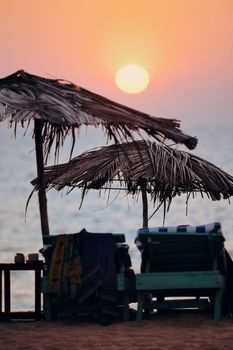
(121, 255)
(172, 251)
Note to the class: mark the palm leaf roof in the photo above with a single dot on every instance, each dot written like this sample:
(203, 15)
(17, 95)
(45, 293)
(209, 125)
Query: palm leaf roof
(168, 172)
(63, 106)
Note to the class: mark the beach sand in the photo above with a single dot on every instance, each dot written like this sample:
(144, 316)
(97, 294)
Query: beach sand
(175, 332)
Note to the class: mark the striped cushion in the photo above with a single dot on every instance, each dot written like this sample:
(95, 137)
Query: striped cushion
(214, 227)
(122, 245)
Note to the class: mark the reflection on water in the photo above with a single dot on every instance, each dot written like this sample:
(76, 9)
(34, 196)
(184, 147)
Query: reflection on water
(123, 215)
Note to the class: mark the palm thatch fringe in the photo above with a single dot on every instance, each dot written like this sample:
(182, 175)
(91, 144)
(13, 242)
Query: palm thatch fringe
(167, 172)
(63, 107)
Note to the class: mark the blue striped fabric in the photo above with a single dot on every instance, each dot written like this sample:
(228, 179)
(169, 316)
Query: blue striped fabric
(214, 227)
(122, 245)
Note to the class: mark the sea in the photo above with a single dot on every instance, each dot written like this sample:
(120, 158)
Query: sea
(20, 231)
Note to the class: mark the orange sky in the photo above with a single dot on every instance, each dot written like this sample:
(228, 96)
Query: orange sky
(185, 45)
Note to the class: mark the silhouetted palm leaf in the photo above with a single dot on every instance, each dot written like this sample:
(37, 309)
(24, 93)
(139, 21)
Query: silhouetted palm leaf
(63, 106)
(168, 172)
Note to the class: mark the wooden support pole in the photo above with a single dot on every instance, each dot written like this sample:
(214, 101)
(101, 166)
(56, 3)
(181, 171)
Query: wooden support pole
(144, 204)
(40, 174)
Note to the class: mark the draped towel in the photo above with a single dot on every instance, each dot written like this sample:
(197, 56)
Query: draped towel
(65, 270)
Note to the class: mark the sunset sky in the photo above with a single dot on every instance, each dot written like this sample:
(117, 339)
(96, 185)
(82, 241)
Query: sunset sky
(186, 46)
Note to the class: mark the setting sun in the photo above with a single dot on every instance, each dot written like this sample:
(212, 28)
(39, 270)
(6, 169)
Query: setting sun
(132, 79)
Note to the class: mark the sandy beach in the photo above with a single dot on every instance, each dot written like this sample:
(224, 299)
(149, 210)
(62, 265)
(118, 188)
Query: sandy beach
(179, 331)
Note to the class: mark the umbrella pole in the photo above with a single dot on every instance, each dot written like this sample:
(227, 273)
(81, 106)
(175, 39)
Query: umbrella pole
(144, 205)
(40, 174)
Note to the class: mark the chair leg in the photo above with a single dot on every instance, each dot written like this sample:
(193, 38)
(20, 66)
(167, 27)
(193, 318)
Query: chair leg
(141, 300)
(218, 304)
(48, 313)
(125, 307)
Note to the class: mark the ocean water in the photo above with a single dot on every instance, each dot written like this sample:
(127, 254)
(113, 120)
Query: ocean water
(119, 213)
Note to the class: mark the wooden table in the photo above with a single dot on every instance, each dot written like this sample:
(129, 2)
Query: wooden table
(6, 268)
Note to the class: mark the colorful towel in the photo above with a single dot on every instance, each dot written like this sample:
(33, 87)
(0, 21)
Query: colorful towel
(65, 270)
(83, 268)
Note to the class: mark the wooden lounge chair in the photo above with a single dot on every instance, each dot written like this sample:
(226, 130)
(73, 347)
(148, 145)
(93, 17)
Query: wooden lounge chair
(52, 303)
(181, 264)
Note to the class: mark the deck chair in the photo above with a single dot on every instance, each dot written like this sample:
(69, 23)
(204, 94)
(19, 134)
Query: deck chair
(184, 263)
(90, 280)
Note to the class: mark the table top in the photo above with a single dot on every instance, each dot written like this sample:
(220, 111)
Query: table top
(29, 265)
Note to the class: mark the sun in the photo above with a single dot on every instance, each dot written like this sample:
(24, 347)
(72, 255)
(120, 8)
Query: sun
(132, 79)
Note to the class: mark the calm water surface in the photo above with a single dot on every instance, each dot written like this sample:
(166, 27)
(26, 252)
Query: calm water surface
(20, 234)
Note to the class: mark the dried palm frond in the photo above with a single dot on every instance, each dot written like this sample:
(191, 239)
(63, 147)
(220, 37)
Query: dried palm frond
(168, 172)
(63, 106)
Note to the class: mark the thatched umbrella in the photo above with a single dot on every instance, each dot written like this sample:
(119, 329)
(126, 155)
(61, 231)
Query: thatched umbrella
(142, 166)
(58, 107)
